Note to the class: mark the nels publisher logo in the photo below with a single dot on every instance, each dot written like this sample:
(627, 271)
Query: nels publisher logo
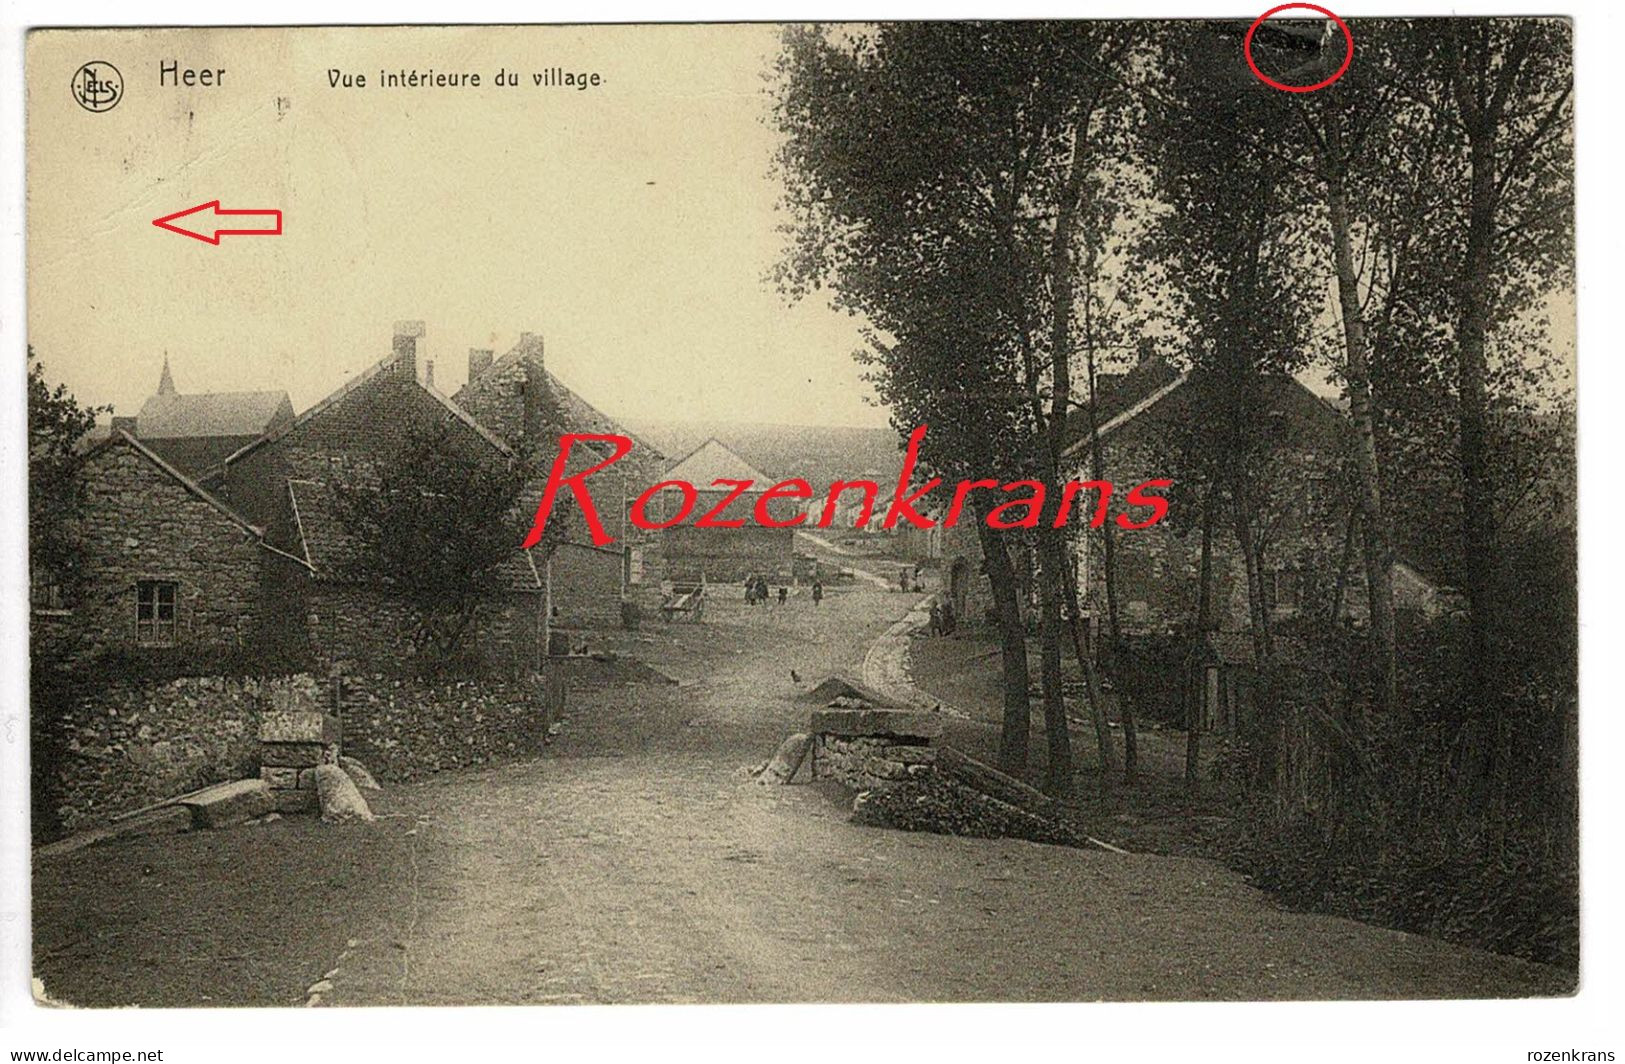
(98, 86)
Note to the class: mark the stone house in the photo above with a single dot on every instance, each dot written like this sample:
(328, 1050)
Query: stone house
(1306, 516)
(1310, 550)
(724, 555)
(528, 407)
(167, 568)
(1142, 414)
(194, 432)
(287, 481)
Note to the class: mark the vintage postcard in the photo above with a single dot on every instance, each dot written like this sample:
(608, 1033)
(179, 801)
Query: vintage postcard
(1038, 511)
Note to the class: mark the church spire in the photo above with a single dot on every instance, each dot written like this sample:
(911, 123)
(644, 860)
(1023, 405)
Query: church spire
(166, 383)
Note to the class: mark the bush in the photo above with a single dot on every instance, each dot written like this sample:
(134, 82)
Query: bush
(1479, 883)
(1421, 829)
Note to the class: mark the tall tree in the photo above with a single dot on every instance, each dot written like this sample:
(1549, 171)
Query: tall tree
(1508, 85)
(57, 425)
(937, 173)
(1244, 293)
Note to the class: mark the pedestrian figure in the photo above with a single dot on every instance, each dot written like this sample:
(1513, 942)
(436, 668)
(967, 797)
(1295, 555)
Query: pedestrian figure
(818, 592)
(936, 619)
(948, 619)
(784, 595)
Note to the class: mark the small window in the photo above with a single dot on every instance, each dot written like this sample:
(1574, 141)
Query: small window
(155, 612)
(45, 591)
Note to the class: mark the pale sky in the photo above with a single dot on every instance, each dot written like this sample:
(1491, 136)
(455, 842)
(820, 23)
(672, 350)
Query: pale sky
(631, 225)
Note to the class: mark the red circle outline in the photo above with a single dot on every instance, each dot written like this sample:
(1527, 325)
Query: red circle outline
(1247, 48)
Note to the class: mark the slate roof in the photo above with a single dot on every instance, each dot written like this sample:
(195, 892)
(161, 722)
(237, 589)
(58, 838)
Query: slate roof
(1124, 396)
(582, 416)
(578, 414)
(119, 436)
(712, 461)
(819, 453)
(1121, 395)
(169, 416)
(352, 385)
(329, 549)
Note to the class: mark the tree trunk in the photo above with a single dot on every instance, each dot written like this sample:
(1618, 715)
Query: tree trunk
(1108, 554)
(1114, 649)
(1197, 686)
(1478, 502)
(1378, 554)
(1266, 725)
(1001, 578)
(1058, 765)
(1340, 585)
(1052, 430)
(1091, 677)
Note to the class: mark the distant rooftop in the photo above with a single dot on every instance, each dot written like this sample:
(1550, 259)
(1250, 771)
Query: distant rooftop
(712, 461)
(167, 416)
(170, 415)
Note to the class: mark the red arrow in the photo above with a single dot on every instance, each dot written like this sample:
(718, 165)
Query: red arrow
(211, 234)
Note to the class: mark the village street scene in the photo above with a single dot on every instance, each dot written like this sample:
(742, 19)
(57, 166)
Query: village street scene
(312, 724)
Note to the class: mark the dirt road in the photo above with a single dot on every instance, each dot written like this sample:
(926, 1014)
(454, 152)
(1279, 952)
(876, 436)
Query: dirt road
(639, 863)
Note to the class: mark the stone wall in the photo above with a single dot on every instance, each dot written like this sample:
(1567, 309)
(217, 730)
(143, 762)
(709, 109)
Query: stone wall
(586, 585)
(353, 628)
(402, 729)
(129, 745)
(870, 749)
(870, 763)
(140, 523)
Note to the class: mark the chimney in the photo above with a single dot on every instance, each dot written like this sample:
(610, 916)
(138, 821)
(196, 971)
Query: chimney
(534, 390)
(534, 393)
(428, 372)
(479, 360)
(407, 335)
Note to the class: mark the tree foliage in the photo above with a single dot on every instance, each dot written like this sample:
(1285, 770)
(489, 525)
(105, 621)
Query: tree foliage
(57, 427)
(940, 177)
(438, 524)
